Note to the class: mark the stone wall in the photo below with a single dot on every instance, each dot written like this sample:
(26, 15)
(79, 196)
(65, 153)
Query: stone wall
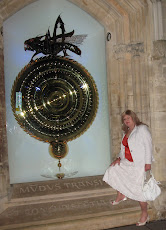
(4, 170)
(136, 70)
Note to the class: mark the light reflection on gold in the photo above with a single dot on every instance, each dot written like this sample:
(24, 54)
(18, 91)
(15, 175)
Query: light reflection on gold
(84, 86)
(22, 114)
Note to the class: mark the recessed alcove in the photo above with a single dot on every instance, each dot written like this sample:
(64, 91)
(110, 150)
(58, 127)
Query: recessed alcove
(90, 154)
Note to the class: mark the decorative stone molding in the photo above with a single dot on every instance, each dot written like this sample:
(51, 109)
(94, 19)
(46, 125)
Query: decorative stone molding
(134, 49)
(159, 49)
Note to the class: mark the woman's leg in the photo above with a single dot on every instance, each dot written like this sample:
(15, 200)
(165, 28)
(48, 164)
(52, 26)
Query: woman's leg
(119, 196)
(144, 212)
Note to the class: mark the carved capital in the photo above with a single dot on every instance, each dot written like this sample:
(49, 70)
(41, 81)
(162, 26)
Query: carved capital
(159, 49)
(134, 49)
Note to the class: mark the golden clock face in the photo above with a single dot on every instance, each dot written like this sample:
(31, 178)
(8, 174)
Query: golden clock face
(54, 99)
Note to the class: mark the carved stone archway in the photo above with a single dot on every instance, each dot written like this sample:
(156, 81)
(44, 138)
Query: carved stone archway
(134, 81)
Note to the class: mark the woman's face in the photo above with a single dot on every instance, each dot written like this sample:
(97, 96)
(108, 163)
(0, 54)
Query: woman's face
(128, 121)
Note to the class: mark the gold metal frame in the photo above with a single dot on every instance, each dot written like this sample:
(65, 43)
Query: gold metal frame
(59, 100)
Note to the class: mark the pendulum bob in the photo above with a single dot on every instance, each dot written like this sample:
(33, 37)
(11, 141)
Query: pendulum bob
(55, 100)
(58, 150)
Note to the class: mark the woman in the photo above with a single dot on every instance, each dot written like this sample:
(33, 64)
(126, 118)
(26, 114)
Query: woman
(126, 174)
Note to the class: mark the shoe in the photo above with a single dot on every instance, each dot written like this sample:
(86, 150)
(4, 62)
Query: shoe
(117, 202)
(142, 223)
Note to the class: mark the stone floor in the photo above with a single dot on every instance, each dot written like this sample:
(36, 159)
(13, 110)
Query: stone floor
(154, 225)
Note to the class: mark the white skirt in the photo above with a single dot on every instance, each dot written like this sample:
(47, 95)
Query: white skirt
(127, 179)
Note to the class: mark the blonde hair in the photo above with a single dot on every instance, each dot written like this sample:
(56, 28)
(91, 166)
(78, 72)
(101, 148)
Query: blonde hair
(134, 118)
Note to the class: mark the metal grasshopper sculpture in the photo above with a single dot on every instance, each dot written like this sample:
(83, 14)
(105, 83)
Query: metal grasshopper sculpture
(52, 45)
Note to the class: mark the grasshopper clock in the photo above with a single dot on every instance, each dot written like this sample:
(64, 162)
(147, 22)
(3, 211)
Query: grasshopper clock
(54, 98)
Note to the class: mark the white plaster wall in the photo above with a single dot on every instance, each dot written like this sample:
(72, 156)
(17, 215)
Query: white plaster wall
(89, 154)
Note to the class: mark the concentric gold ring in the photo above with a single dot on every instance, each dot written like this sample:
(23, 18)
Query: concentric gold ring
(59, 99)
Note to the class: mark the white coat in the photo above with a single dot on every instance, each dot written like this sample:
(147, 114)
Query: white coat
(140, 145)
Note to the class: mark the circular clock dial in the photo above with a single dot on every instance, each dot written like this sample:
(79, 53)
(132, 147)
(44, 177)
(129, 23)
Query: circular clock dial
(54, 98)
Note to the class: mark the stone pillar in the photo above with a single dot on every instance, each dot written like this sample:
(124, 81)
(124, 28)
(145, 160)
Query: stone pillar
(158, 17)
(159, 121)
(4, 177)
(159, 107)
(129, 86)
(133, 85)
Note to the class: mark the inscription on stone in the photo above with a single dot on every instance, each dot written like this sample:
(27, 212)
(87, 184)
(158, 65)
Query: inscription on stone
(62, 210)
(57, 186)
(55, 210)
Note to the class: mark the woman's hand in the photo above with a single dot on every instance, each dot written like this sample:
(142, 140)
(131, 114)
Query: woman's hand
(147, 167)
(117, 161)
